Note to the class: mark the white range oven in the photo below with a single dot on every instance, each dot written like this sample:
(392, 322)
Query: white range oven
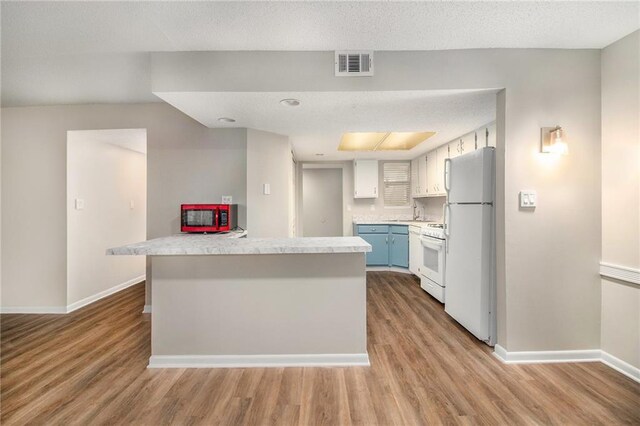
(433, 260)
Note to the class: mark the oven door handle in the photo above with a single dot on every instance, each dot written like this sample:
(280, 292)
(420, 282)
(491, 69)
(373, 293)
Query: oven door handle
(432, 245)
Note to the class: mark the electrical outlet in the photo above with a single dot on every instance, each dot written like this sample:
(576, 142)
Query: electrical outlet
(227, 199)
(528, 199)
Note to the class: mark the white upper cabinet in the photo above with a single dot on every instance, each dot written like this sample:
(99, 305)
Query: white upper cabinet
(454, 148)
(442, 154)
(415, 188)
(432, 172)
(468, 143)
(422, 175)
(428, 178)
(365, 179)
(491, 135)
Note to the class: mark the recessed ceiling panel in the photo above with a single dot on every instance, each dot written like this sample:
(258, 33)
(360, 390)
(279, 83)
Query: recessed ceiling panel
(361, 141)
(403, 141)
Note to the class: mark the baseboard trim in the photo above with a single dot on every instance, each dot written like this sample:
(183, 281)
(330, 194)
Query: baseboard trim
(621, 366)
(33, 310)
(251, 361)
(108, 292)
(622, 273)
(146, 309)
(388, 269)
(533, 357)
(73, 306)
(591, 355)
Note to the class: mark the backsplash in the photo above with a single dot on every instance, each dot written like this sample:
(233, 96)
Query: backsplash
(381, 217)
(430, 208)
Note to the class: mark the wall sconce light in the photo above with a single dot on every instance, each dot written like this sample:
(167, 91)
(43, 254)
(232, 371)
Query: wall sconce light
(551, 141)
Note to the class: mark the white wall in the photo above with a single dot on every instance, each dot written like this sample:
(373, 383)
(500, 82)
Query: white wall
(107, 178)
(554, 250)
(621, 195)
(198, 170)
(322, 202)
(268, 161)
(34, 168)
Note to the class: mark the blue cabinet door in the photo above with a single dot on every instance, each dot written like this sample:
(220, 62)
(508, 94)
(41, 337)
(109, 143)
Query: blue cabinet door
(399, 250)
(380, 253)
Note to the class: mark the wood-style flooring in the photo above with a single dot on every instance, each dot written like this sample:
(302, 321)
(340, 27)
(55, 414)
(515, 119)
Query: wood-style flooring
(89, 368)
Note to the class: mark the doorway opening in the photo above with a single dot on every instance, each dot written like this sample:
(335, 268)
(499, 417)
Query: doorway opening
(106, 207)
(322, 213)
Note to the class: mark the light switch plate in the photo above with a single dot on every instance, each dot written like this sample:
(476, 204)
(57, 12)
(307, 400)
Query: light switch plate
(266, 189)
(79, 204)
(528, 199)
(227, 199)
(132, 204)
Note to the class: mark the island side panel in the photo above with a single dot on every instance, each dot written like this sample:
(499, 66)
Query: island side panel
(289, 304)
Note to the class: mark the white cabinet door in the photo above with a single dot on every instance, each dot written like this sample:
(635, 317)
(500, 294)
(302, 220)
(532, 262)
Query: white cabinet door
(468, 143)
(365, 179)
(422, 175)
(454, 148)
(415, 185)
(432, 172)
(491, 134)
(442, 154)
(415, 250)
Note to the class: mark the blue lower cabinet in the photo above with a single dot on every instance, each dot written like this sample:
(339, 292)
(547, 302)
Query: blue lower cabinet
(399, 250)
(390, 244)
(379, 256)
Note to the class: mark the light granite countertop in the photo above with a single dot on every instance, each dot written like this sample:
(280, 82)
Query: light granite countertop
(225, 244)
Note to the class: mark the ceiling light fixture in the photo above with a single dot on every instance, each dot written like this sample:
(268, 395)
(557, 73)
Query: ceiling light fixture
(382, 141)
(226, 120)
(290, 102)
(551, 141)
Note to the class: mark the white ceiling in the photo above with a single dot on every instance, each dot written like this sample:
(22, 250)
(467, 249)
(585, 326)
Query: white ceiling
(88, 52)
(318, 123)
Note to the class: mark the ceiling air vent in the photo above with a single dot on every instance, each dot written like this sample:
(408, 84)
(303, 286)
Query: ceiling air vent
(354, 64)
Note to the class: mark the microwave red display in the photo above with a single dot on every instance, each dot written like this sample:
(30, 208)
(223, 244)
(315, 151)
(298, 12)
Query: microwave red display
(208, 217)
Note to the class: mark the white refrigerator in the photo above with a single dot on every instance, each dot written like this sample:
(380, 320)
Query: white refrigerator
(469, 219)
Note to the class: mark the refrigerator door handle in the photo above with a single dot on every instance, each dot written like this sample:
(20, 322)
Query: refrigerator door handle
(447, 168)
(446, 211)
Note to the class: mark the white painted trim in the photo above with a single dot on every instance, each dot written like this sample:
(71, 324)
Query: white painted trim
(621, 366)
(33, 310)
(108, 292)
(249, 361)
(535, 357)
(389, 269)
(592, 355)
(75, 305)
(622, 273)
(146, 309)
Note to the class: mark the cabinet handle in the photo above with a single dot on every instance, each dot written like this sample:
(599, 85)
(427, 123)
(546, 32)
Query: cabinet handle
(393, 240)
(375, 190)
(386, 240)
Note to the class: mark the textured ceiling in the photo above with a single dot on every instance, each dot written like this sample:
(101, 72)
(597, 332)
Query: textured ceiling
(318, 123)
(81, 52)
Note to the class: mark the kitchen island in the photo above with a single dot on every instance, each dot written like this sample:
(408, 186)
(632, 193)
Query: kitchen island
(255, 302)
